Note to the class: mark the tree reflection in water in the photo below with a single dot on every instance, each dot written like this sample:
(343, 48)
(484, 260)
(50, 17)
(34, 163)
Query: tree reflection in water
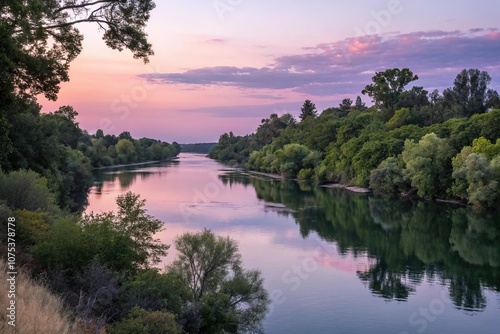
(409, 241)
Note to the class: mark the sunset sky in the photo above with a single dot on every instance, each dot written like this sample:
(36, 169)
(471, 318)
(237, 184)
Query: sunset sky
(223, 65)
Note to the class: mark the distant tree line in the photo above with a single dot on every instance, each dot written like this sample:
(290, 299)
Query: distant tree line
(203, 148)
(410, 141)
(54, 146)
(107, 150)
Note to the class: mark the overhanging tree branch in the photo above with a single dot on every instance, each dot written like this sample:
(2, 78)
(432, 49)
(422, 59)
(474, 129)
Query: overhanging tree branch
(82, 5)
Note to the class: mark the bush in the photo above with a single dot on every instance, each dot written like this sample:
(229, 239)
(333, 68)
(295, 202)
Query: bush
(25, 189)
(387, 177)
(140, 321)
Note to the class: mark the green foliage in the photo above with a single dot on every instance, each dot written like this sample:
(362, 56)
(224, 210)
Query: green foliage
(125, 146)
(203, 148)
(349, 143)
(359, 104)
(470, 92)
(476, 177)
(387, 87)
(308, 110)
(237, 149)
(387, 177)
(107, 150)
(26, 190)
(291, 159)
(123, 241)
(133, 221)
(428, 165)
(404, 116)
(225, 296)
(49, 26)
(140, 321)
(483, 146)
(30, 226)
(156, 291)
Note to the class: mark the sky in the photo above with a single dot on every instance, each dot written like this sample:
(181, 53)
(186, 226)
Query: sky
(223, 65)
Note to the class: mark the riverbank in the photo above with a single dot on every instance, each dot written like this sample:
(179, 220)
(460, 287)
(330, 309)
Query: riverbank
(331, 185)
(134, 164)
(351, 188)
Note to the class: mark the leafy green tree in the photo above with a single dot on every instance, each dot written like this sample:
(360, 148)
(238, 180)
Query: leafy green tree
(387, 87)
(428, 165)
(470, 92)
(126, 148)
(387, 177)
(140, 321)
(133, 221)
(26, 190)
(39, 38)
(404, 116)
(476, 178)
(359, 104)
(227, 297)
(152, 290)
(415, 98)
(345, 105)
(290, 159)
(482, 145)
(308, 110)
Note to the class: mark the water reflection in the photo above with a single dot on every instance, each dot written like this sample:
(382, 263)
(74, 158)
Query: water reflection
(126, 176)
(409, 241)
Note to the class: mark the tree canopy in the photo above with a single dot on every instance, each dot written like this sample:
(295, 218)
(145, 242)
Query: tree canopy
(39, 39)
(227, 297)
(308, 110)
(403, 144)
(388, 85)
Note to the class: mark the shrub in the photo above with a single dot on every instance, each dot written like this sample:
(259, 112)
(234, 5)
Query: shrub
(140, 321)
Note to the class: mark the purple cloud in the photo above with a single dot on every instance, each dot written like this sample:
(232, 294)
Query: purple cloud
(345, 67)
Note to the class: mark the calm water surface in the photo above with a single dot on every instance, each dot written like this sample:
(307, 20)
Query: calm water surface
(333, 261)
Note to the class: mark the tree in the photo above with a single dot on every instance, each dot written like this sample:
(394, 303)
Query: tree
(415, 98)
(387, 86)
(140, 321)
(133, 221)
(99, 134)
(290, 159)
(308, 110)
(26, 190)
(476, 174)
(227, 297)
(360, 105)
(345, 106)
(125, 146)
(470, 92)
(428, 165)
(387, 177)
(39, 39)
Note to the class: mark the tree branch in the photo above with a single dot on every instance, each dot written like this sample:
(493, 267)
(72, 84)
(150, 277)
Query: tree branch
(82, 5)
(65, 24)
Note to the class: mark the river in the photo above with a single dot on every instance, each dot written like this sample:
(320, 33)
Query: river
(334, 261)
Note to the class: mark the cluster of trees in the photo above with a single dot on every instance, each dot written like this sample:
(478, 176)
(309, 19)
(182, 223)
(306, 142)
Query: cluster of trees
(38, 41)
(203, 148)
(107, 150)
(410, 141)
(54, 146)
(103, 266)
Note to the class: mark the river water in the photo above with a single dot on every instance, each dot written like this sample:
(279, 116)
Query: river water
(333, 261)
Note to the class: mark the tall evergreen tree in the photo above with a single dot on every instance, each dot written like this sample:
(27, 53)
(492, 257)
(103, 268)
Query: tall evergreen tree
(308, 110)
